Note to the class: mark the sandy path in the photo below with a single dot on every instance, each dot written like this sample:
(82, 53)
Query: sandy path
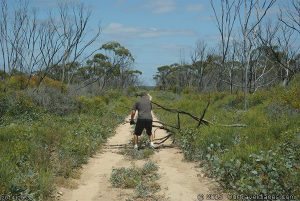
(180, 180)
(94, 181)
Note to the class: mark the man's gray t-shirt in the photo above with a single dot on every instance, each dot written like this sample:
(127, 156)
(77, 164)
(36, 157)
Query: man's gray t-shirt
(144, 107)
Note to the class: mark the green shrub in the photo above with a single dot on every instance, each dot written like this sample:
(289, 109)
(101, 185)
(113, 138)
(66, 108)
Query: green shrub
(53, 100)
(125, 177)
(16, 104)
(38, 144)
(137, 154)
(261, 158)
(142, 191)
(143, 180)
(94, 103)
(149, 167)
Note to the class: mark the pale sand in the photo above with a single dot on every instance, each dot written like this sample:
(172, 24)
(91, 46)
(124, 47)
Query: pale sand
(180, 180)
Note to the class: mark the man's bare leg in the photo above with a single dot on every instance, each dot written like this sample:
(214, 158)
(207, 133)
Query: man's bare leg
(135, 141)
(151, 138)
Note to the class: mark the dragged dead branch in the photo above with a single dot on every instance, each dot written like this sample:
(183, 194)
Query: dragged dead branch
(164, 124)
(206, 122)
(202, 116)
(164, 128)
(200, 120)
(172, 129)
(232, 125)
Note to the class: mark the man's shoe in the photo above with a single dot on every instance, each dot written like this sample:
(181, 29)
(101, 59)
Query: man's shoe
(135, 146)
(152, 145)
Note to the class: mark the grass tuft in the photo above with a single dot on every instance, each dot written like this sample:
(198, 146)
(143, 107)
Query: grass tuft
(143, 180)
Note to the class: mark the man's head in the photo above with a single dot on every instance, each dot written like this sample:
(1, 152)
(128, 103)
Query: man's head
(143, 93)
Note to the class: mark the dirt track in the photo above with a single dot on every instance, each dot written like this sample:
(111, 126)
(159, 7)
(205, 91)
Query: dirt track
(180, 180)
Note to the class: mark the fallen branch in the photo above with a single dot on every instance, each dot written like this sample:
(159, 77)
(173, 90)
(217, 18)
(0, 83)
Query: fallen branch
(167, 127)
(183, 112)
(164, 128)
(178, 121)
(167, 136)
(199, 120)
(202, 116)
(165, 139)
(232, 125)
(164, 124)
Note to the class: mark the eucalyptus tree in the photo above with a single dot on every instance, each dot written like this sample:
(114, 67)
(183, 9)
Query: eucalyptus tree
(101, 69)
(110, 68)
(162, 76)
(121, 60)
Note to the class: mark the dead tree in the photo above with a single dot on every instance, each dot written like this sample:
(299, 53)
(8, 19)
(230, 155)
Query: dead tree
(225, 22)
(253, 13)
(281, 45)
(198, 57)
(70, 31)
(29, 45)
(292, 16)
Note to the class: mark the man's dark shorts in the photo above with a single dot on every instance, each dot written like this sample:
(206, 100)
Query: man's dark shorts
(142, 124)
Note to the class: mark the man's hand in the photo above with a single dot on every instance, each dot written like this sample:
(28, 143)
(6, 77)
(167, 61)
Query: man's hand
(132, 122)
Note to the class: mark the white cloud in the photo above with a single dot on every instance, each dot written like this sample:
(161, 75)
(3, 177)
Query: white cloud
(194, 7)
(121, 30)
(175, 47)
(161, 6)
(113, 28)
(206, 18)
(44, 4)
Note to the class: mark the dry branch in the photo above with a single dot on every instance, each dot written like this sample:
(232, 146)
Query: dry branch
(183, 112)
(232, 125)
(164, 128)
(203, 113)
(178, 120)
(200, 121)
(163, 139)
(167, 136)
(164, 124)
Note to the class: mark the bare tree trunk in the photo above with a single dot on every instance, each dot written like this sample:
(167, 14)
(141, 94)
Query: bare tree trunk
(225, 23)
(261, 7)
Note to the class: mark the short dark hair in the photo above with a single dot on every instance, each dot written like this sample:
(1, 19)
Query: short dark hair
(143, 93)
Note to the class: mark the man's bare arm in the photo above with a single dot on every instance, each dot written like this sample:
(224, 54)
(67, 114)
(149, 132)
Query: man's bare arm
(132, 114)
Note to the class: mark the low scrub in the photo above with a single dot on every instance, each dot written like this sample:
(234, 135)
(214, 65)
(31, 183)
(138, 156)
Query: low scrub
(136, 154)
(144, 151)
(261, 158)
(37, 144)
(143, 180)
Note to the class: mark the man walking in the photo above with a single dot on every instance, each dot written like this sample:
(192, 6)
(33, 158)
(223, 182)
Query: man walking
(144, 120)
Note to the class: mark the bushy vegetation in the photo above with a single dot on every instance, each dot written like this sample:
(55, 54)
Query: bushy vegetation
(137, 154)
(47, 134)
(261, 158)
(143, 179)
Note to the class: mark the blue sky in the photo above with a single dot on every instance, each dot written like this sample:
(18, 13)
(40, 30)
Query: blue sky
(155, 31)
